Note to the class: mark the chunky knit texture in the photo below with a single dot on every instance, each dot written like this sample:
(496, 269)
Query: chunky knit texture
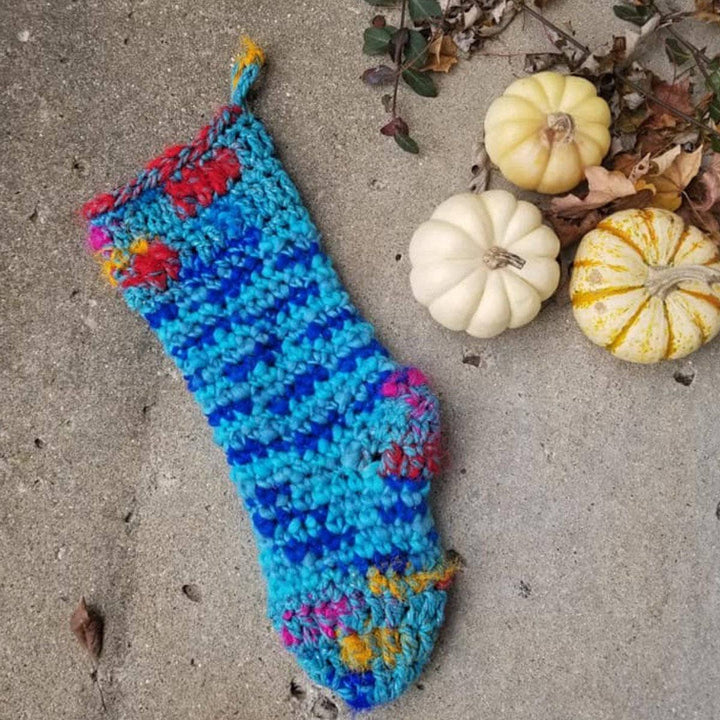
(331, 443)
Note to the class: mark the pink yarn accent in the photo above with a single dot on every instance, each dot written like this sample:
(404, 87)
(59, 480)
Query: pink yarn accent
(333, 610)
(390, 388)
(330, 610)
(400, 382)
(327, 631)
(97, 238)
(420, 405)
(288, 638)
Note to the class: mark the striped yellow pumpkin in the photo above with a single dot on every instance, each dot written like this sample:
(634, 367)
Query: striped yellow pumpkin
(647, 286)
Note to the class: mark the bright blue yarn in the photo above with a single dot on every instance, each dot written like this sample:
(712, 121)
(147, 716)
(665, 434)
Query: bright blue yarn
(305, 402)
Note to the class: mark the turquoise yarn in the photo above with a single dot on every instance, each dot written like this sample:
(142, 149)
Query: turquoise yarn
(331, 443)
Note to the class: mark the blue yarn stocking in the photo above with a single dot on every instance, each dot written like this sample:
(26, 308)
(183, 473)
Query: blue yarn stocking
(330, 442)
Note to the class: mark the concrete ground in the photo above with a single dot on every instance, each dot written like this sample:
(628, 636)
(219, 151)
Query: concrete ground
(581, 491)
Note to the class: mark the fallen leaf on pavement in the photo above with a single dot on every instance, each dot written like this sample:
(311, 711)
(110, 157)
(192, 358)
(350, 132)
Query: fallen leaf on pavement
(670, 183)
(442, 54)
(640, 169)
(604, 187)
(536, 62)
(642, 198)
(707, 10)
(678, 96)
(87, 626)
(708, 184)
(662, 163)
(655, 141)
(380, 75)
(706, 221)
(570, 231)
(625, 162)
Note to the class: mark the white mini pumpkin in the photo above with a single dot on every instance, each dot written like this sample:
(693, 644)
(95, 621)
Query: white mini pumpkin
(484, 263)
(646, 286)
(546, 129)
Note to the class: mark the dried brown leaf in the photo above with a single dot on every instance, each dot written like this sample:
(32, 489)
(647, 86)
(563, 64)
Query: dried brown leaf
(640, 169)
(87, 627)
(604, 187)
(608, 56)
(655, 142)
(498, 9)
(624, 162)
(661, 163)
(471, 16)
(380, 75)
(674, 178)
(707, 10)
(677, 95)
(442, 54)
(536, 62)
(395, 126)
(708, 185)
(575, 56)
(501, 15)
(571, 231)
(705, 220)
(640, 199)
(630, 119)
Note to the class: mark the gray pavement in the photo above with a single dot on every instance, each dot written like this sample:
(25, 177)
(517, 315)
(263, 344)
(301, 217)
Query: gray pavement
(581, 491)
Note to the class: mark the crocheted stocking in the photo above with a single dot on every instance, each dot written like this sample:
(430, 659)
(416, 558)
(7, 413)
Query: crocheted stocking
(330, 442)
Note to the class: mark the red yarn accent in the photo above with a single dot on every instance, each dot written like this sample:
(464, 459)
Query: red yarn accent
(411, 461)
(418, 453)
(392, 460)
(432, 450)
(161, 168)
(445, 583)
(169, 158)
(153, 267)
(98, 205)
(200, 183)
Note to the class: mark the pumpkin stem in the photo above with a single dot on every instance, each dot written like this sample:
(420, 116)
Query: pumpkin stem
(560, 128)
(662, 280)
(497, 257)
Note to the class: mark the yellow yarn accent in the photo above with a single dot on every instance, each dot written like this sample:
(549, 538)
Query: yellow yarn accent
(379, 583)
(388, 642)
(139, 246)
(355, 652)
(106, 269)
(118, 260)
(249, 53)
(419, 581)
(358, 651)
(397, 585)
